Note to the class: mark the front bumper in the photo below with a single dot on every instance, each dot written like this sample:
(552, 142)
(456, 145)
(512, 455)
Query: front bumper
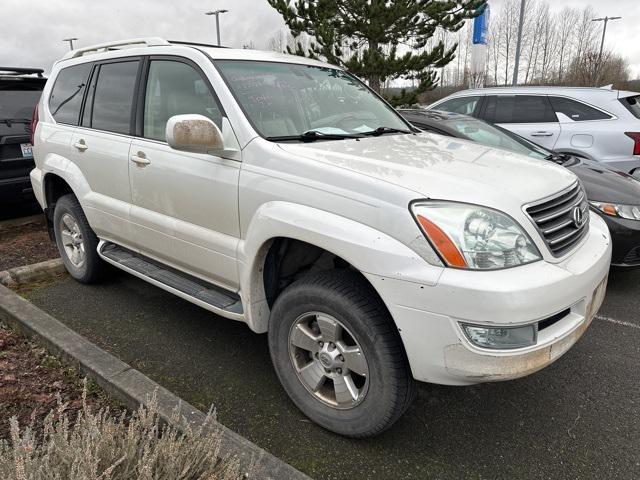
(625, 237)
(428, 317)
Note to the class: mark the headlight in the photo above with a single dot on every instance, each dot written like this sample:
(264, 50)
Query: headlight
(474, 237)
(501, 337)
(630, 212)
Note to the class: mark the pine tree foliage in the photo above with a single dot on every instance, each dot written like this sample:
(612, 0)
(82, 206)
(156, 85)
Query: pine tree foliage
(379, 40)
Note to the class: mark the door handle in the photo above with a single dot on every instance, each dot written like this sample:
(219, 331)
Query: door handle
(542, 134)
(140, 159)
(80, 145)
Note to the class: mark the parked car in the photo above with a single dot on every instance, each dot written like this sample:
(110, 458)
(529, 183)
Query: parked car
(614, 195)
(20, 89)
(282, 192)
(594, 123)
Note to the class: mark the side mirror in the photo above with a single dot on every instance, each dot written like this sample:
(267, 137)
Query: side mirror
(193, 133)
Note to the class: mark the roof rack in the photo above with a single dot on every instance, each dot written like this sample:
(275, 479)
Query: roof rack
(21, 71)
(132, 42)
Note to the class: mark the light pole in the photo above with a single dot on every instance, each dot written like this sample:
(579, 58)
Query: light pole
(518, 44)
(604, 31)
(70, 40)
(217, 14)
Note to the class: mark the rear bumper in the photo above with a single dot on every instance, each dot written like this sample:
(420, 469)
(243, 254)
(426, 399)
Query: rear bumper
(16, 191)
(428, 317)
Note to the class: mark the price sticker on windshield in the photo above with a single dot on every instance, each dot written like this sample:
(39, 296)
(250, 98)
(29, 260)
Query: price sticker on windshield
(27, 150)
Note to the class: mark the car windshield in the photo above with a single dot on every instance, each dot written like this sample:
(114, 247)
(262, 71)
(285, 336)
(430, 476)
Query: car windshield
(493, 136)
(18, 104)
(289, 101)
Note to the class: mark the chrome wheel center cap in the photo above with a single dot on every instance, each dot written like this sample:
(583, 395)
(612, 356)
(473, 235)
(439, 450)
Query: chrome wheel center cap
(328, 356)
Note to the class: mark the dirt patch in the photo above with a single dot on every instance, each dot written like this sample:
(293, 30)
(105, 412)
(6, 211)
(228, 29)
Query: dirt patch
(31, 381)
(25, 244)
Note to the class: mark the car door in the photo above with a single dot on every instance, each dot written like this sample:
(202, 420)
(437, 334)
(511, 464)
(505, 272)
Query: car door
(530, 116)
(100, 147)
(184, 205)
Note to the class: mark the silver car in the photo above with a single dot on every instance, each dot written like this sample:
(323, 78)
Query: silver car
(595, 123)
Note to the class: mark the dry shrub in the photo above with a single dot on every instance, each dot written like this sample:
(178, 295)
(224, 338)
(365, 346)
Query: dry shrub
(101, 446)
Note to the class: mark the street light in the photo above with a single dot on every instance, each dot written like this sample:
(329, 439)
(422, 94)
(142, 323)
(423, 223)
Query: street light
(70, 40)
(604, 31)
(217, 14)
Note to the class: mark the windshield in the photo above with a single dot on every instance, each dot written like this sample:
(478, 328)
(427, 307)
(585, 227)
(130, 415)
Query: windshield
(18, 104)
(494, 136)
(288, 100)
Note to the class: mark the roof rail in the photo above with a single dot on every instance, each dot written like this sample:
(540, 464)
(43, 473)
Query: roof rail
(195, 44)
(20, 71)
(132, 42)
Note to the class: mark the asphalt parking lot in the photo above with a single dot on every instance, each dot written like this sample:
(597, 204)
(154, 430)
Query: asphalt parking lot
(579, 418)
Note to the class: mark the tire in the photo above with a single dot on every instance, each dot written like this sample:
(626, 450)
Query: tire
(340, 300)
(73, 234)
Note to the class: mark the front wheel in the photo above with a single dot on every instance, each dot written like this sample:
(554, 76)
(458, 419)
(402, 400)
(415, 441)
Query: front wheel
(338, 354)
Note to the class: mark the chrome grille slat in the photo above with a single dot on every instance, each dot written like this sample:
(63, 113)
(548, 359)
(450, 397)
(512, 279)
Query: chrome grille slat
(558, 213)
(554, 219)
(557, 202)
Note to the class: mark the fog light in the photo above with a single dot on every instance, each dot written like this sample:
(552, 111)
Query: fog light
(501, 337)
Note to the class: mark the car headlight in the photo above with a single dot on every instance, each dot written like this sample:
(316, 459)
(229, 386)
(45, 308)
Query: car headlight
(630, 212)
(473, 237)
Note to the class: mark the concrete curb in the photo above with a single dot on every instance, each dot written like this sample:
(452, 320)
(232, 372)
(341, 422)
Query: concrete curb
(32, 273)
(129, 385)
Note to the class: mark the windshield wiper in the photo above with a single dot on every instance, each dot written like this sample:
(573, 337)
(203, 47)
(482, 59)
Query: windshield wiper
(382, 130)
(559, 158)
(313, 135)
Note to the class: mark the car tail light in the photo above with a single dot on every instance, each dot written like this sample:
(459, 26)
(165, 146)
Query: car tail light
(34, 123)
(635, 136)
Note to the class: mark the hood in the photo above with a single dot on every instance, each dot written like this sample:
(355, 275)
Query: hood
(606, 185)
(444, 168)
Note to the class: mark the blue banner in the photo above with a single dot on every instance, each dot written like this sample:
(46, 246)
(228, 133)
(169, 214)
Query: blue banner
(481, 27)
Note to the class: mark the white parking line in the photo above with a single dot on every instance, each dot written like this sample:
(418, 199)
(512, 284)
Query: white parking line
(617, 322)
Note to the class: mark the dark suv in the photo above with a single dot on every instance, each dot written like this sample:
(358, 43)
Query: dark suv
(20, 89)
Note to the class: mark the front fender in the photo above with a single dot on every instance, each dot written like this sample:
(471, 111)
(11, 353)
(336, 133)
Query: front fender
(365, 248)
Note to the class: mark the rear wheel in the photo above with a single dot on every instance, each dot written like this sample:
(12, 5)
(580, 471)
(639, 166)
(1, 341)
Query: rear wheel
(338, 354)
(76, 241)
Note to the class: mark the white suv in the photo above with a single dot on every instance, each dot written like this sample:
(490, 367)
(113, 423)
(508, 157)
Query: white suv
(281, 192)
(595, 123)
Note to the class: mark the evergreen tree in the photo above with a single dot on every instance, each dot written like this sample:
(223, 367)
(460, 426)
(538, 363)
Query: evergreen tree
(368, 37)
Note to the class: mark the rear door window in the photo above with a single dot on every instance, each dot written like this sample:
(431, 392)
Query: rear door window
(519, 109)
(113, 100)
(464, 105)
(66, 96)
(575, 110)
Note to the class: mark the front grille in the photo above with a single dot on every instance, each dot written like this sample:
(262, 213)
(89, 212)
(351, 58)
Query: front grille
(562, 220)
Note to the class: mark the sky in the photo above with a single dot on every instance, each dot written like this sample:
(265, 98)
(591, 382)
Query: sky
(34, 36)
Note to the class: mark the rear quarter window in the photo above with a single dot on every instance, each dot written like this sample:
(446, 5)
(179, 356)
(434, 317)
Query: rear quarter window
(632, 104)
(67, 93)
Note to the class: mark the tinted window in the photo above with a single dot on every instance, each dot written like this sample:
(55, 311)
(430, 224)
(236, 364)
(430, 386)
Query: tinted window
(175, 88)
(519, 109)
(113, 98)
(465, 105)
(632, 104)
(575, 110)
(17, 104)
(66, 97)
